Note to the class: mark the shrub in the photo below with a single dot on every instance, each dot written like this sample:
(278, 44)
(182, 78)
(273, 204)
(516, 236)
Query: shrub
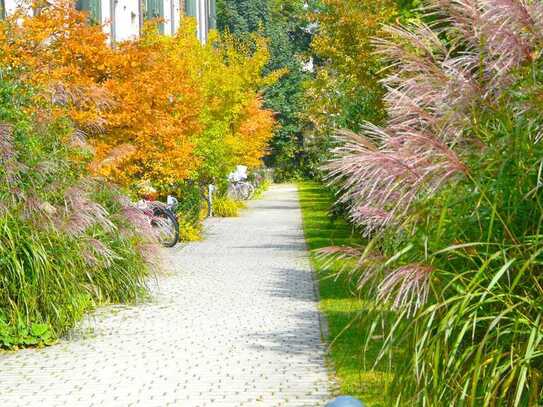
(189, 212)
(66, 240)
(189, 232)
(191, 202)
(224, 207)
(449, 194)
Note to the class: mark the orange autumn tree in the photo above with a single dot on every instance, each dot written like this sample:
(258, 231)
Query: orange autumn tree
(60, 54)
(253, 134)
(156, 115)
(138, 108)
(158, 109)
(201, 100)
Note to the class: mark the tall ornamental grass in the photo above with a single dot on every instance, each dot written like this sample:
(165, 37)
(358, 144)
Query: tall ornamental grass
(449, 195)
(67, 241)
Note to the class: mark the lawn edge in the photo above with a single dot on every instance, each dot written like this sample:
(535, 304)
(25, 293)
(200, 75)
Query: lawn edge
(331, 370)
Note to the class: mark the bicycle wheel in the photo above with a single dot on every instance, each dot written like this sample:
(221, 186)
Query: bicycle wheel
(251, 191)
(166, 226)
(246, 191)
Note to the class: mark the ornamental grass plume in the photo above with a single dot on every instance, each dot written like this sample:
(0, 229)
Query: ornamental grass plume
(432, 90)
(448, 193)
(408, 285)
(82, 213)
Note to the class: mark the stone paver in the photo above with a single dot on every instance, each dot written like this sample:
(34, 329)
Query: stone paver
(234, 323)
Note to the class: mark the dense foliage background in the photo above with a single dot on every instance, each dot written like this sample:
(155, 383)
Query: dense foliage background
(331, 73)
(284, 24)
(345, 90)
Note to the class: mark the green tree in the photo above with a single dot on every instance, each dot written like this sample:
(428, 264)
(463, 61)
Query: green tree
(345, 91)
(284, 24)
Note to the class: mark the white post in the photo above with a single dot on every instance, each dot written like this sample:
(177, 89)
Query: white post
(210, 190)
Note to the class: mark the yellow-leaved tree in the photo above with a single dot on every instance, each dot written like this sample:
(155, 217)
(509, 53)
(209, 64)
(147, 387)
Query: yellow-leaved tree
(236, 127)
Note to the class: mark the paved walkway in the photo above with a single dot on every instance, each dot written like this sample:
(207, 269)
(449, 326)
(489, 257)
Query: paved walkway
(235, 324)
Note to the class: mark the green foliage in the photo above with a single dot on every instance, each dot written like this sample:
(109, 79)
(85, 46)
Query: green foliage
(65, 242)
(21, 334)
(242, 16)
(189, 211)
(345, 91)
(342, 92)
(190, 200)
(283, 23)
(287, 98)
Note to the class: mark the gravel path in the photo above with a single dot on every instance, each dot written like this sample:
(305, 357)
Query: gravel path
(234, 323)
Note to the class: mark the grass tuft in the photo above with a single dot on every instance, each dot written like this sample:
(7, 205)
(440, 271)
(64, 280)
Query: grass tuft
(224, 207)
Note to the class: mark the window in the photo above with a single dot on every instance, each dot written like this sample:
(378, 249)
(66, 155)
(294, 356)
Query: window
(155, 9)
(93, 7)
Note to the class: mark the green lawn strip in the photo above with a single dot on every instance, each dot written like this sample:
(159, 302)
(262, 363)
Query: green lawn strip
(339, 303)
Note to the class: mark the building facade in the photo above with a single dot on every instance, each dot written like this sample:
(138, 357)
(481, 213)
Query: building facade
(123, 19)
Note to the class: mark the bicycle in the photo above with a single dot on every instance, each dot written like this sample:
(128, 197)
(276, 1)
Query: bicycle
(240, 190)
(162, 219)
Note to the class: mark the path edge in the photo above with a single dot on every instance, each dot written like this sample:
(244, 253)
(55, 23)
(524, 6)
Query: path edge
(323, 322)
